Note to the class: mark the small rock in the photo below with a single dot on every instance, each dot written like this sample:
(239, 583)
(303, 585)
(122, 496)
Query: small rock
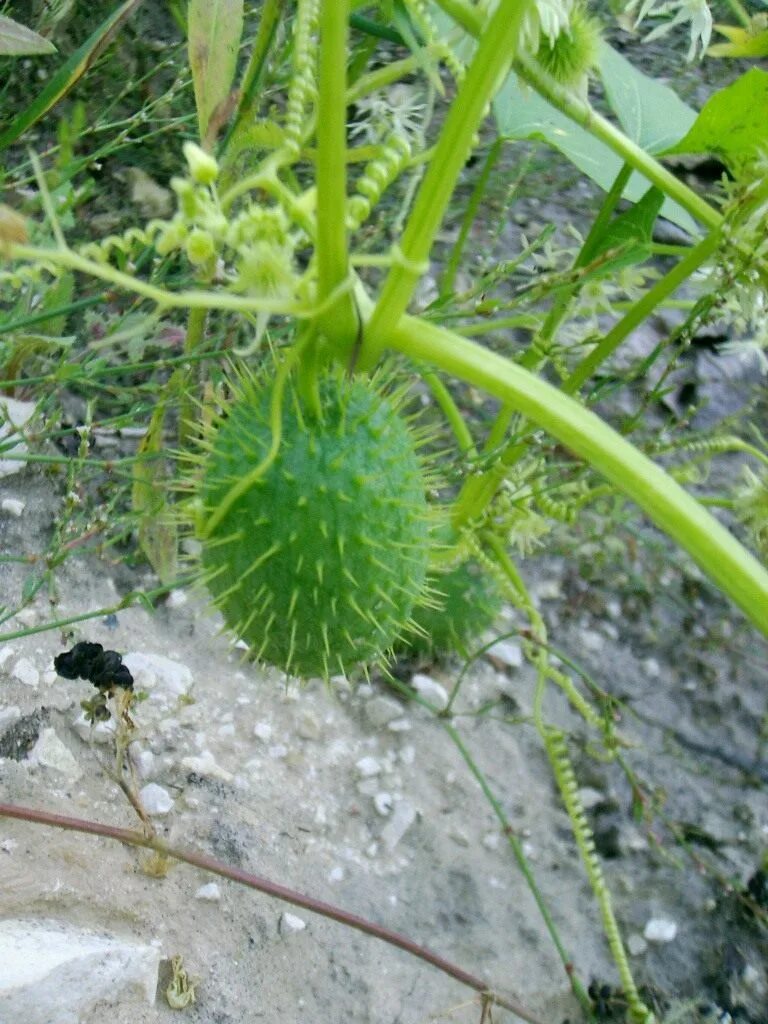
(430, 690)
(591, 797)
(660, 930)
(55, 972)
(6, 652)
(144, 761)
(308, 727)
(206, 766)
(211, 893)
(367, 767)
(8, 716)
(13, 506)
(175, 599)
(591, 640)
(152, 671)
(152, 199)
(636, 944)
(548, 590)
(505, 653)
(99, 732)
(156, 799)
(25, 672)
(380, 711)
(291, 923)
(51, 753)
(491, 841)
(401, 820)
(399, 725)
(263, 731)
(336, 874)
(13, 416)
(383, 804)
(651, 668)
(408, 754)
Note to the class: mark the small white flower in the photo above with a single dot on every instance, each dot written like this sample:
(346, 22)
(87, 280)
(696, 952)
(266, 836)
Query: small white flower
(696, 12)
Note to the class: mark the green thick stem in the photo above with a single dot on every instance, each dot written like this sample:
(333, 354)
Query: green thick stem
(339, 322)
(495, 50)
(719, 554)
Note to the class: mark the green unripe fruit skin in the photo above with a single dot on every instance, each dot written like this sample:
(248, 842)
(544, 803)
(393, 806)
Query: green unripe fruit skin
(319, 564)
(469, 602)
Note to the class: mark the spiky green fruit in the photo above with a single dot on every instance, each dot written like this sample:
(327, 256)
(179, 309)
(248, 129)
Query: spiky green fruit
(319, 561)
(467, 603)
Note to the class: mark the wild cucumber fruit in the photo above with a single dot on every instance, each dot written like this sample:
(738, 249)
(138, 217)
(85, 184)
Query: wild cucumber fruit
(318, 561)
(467, 601)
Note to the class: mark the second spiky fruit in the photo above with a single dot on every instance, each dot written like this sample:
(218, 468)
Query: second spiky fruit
(319, 562)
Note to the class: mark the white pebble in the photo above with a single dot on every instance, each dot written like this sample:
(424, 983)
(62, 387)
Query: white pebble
(150, 670)
(401, 820)
(430, 690)
(399, 725)
(507, 653)
(636, 944)
(13, 506)
(290, 924)
(144, 761)
(367, 767)
(590, 797)
(591, 640)
(491, 841)
(175, 599)
(381, 711)
(651, 668)
(8, 716)
(210, 892)
(660, 929)
(408, 754)
(263, 731)
(206, 765)
(336, 874)
(383, 804)
(6, 652)
(549, 590)
(51, 753)
(98, 732)
(155, 799)
(25, 672)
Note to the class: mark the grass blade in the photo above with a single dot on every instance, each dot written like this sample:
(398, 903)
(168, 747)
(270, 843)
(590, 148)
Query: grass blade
(214, 31)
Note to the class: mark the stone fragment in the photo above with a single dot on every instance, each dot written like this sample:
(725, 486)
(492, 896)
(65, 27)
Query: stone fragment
(51, 753)
(206, 765)
(367, 767)
(13, 416)
(636, 944)
(211, 893)
(591, 797)
(98, 732)
(155, 671)
(430, 690)
(13, 506)
(25, 672)
(506, 653)
(291, 923)
(380, 711)
(54, 972)
(263, 731)
(660, 930)
(383, 804)
(402, 818)
(155, 799)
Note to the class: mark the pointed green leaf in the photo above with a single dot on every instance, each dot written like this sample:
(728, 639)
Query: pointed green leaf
(17, 40)
(651, 114)
(68, 74)
(214, 31)
(629, 234)
(733, 124)
(523, 114)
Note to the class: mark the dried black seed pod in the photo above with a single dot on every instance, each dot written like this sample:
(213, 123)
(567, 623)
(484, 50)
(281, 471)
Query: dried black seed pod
(90, 661)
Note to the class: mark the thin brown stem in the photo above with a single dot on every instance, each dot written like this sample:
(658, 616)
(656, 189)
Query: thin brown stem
(280, 892)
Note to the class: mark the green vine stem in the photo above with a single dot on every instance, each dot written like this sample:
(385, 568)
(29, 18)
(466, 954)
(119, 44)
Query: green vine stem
(491, 61)
(270, 888)
(642, 309)
(506, 827)
(718, 553)
(339, 321)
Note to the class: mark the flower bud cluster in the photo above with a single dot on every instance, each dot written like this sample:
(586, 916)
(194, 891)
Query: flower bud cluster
(253, 248)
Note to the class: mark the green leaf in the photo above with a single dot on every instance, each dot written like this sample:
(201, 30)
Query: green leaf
(214, 31)
(629, 234)
(17, 40)
(522, 114)
(733, 124)
(68, 74)
(651, 114)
